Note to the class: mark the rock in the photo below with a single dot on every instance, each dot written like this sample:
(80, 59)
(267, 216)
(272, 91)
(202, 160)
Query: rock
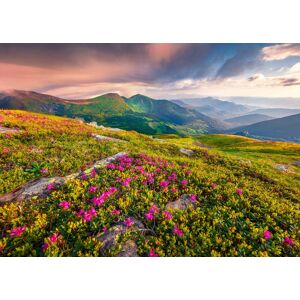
(296, 163)
(246, 163)
(187, 152)
(8, 130)
(129, 249)
(282, 168)
(182, 203)
(39, 187)
(110, 238)
(30, 189)
(107, 138)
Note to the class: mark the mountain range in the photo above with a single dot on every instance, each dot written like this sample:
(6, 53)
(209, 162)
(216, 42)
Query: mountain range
(139, 112)
(151, 116)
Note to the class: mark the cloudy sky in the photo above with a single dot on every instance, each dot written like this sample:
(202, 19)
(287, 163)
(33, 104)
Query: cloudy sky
(158, 70)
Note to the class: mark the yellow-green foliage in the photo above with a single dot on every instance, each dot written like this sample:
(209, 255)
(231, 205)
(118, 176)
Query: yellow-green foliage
(237, 205)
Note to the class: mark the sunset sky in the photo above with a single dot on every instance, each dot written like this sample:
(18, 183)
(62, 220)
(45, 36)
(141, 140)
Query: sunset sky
(157, 70)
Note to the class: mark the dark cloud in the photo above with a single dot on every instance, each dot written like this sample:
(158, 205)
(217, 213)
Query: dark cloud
(289, 81)
(246, 59)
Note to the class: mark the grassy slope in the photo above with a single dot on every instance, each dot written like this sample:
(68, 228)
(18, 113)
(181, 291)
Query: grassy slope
(223, 223)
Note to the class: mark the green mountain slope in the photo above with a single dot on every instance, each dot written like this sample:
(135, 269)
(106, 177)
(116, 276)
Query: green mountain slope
(138, 113)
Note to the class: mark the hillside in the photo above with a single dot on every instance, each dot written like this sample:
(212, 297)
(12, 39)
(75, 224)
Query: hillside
(138, 113)
(69, 189)
(286, 128)
(277, 112)
(248, 119)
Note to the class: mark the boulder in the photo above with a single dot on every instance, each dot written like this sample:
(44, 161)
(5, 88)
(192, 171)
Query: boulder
(296, 163)
(187, 152)
(282, 168)
(8, 130)
(111, 237)
(129, 249)
(182, 203)
(107, 138)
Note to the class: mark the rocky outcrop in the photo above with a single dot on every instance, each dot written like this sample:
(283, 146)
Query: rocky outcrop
(110, 238)
(296, 163)
(187, 152)
(8, 130)
(282, 168)
(182, 203)
(107, 138)
(39, 187)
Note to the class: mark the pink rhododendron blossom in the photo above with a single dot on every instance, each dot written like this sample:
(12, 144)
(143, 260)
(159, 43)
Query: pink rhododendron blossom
(45, 247)
(239, 192)
(128, 222)
(115, 212)
(83, 176)
(177, 231)
(54, 237)
(184, 182)
(167, 215)
(64, 204)
(193, 198)
(92, 189)
(93, 173)
(18, 231)
(288, 241)
(104, 229)
(50, 186)
(267, 234)
(164, 183)
(87, 215)
(44, 170)
(152, 253)
(111, 166)
(149, 216)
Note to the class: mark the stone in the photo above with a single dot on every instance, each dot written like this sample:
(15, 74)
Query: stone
(8, 130)
(182, 203)
(107, 138)
(129, 249)
(296, 163)
(111, 236)
(282, 168)
(187, 152)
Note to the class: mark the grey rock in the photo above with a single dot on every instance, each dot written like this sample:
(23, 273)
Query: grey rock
(296, 163)
(110, 238)
(8, 130)
(182, 203)
(187, 152)
(129, 249)
(107, 138)
(282, 168)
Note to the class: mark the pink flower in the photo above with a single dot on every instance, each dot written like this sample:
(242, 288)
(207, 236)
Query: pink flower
(44, 170)
(287, 240)
(92, 189)
(239, 192)
(50, 186)
(164, 183)
(267, 234)
(184, 182)
(128, 222)
(214, 185)
(104, 229)
(127, 181)
(18, 231)
(177, 231)
(93, 173)
(173, 177)
(193, 198)
(111, 166)
(167, 215)
(54, 237)
(152, 253)
(115, 212)
(45, 247)
(149, 216)
(98, 201)
(154, 209)
(64, 204)
(83, 176)
(87, 215)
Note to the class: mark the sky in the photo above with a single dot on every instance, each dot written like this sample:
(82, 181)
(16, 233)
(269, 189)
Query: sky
(164, 71)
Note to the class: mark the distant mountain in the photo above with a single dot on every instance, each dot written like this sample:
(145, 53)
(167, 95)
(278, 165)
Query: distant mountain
(216, 108)
(286, 128)
(277, 112)
(248, 119)
(272, 102)
(139, 112)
